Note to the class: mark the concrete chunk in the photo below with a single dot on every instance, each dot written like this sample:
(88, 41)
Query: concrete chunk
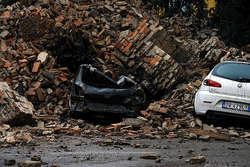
(15, 109)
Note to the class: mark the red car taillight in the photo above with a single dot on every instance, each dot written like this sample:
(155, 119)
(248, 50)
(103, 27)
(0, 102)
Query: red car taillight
(209, 82)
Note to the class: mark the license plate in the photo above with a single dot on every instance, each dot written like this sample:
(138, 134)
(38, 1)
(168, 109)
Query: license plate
(236, 106)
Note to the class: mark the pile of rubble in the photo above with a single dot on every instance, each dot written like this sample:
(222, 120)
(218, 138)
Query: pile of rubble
(42, 43)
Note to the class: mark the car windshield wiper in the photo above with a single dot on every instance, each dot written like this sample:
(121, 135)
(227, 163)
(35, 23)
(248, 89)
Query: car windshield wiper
(243, 79)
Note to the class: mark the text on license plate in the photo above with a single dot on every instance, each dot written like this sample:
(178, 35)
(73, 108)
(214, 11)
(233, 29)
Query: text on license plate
(236, 106)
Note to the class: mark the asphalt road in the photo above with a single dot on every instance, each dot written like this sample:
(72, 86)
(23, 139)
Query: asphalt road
(71, 151)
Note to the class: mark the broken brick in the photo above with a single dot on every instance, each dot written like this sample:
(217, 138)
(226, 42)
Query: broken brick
(36, 66)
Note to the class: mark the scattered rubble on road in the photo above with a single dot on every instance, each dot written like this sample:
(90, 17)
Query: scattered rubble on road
(42, 43)
(29, 163)
(150, 156)
(197, 159)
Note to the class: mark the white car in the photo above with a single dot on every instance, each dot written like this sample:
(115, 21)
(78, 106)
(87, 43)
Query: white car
(225, 90)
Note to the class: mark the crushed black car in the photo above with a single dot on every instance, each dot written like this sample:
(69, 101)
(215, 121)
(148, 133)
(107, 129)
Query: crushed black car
(93, 91)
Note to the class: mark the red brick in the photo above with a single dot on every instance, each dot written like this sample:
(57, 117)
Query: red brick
(125, 43)
(59, 19)
(163, 102)
(36, 66)
(7, 64)
(139, 45)
(126, 50)
(141, 25)
(143, 28)
(134, 35)
(28, 52)
(30, 92)
(118, 44)
(144, 113)
(78, 23)
(136, 38)
(130, 34)
(86, 7)
(3, 46)
(22, 61)
(189, 88)
(147, 31)
(63, 79)
(163, 110)
(155, 60)
(5, 14)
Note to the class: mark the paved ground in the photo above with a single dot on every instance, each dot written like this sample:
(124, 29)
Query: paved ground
(70, 151)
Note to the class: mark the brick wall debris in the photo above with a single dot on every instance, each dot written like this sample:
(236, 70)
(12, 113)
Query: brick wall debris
(147, 61)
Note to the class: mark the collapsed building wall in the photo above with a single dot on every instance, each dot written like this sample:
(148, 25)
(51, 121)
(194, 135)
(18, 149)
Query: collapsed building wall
(159, 59)
(157, 70)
